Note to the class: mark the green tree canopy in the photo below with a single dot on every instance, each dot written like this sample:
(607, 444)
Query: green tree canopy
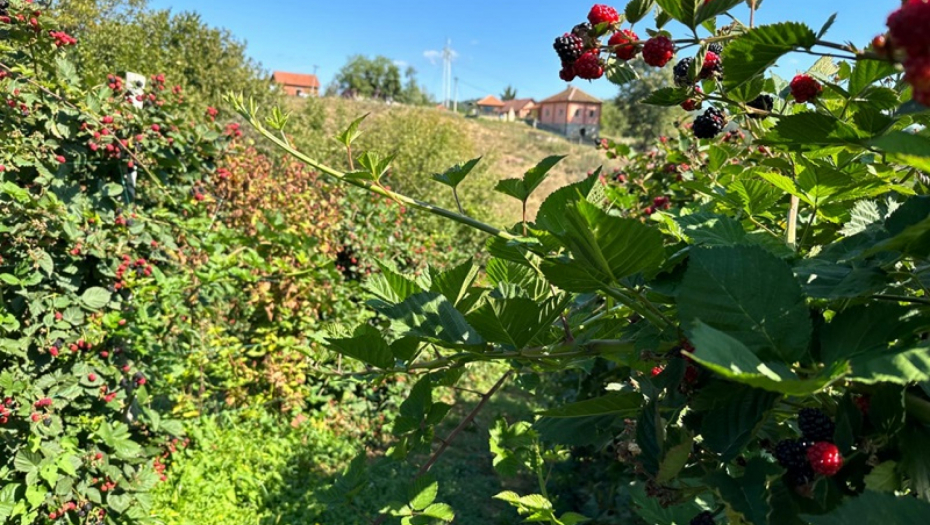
(379, 78)
(127, 35)
(643, 122)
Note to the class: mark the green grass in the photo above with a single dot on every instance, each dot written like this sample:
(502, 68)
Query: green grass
(264, 470)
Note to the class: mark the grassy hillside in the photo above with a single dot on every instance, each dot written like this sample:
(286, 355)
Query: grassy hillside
(429, 140)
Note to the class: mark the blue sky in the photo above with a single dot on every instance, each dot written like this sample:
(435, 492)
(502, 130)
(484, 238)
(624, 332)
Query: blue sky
(498, 42)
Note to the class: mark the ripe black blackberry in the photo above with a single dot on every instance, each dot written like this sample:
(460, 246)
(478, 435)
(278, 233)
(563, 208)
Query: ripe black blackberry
(4, 6)
(704, 518)
(815, 425)
(801, 476)
(792, 454)
(715, 48)
(682, 78)
(762, 102)
(583, 29)
(585, 32)
(569, 47)
(709, 124)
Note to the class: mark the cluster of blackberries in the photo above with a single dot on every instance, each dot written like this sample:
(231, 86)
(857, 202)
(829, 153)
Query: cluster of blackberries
(709, 124)
(814, 453)
(4, 8)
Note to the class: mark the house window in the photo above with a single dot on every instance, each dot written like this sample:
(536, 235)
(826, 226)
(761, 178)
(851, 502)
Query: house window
(561, 112)
(577, 112)
(300, 93)
(591, 113)
(547, 112)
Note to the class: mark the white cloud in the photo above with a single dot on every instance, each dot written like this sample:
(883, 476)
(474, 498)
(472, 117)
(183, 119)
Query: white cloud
(401, 63)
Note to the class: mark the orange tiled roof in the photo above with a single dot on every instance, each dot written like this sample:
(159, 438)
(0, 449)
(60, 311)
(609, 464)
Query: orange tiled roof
(295, 79)
(490, 100)
(572, 94)
(518, 104)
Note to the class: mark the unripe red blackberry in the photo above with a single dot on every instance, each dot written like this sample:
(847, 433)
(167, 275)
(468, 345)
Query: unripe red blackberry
(704, 518)
(680, 72)
(825, 458)
(763, 103)
(569, 47)
(603, 14)
(622, 46)
(709, 124)
(711, 65)
(907, 28)
(805, 88)
(815, 425)
(691, 104)
(567, 73)
(658, 51)
(589, 66)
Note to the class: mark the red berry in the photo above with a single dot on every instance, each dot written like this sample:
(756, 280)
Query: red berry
(657, 370)
(92, 378)
(54, 351)
(61, 159)
(58, 316)
(622, 46)
(917, 72)
(907, 27)
(603, 14)
(711, 65)
(588, 66)
(690, 105)
(567, 73)
(825, 458)
(805, 88)
(658, 51)
(156, 128)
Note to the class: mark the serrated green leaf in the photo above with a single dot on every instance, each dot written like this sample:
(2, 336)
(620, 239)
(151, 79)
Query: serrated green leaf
(731, 359)
(456, 174)
(95, 298)
(730, 427)
(675, 460)
(604, 249)
(431, 317)
(873, 508)
(423, 492)
(636, 10)
(759, 49)
(749, 294)
(367, 345)
(620, 404)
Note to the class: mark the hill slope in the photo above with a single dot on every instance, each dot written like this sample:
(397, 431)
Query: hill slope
(430, 140)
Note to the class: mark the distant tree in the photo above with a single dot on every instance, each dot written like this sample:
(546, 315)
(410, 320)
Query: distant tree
(126, 35)
(643, 122)
(378, 78)
(509, 93)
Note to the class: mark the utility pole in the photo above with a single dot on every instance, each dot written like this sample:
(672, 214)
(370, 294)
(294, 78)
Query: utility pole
(447, 56)
(455, 104)
(315, 68)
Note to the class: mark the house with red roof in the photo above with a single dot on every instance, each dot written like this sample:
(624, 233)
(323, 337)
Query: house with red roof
(572, 113)
(489, 105)
(297, 84)
(522, 108)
